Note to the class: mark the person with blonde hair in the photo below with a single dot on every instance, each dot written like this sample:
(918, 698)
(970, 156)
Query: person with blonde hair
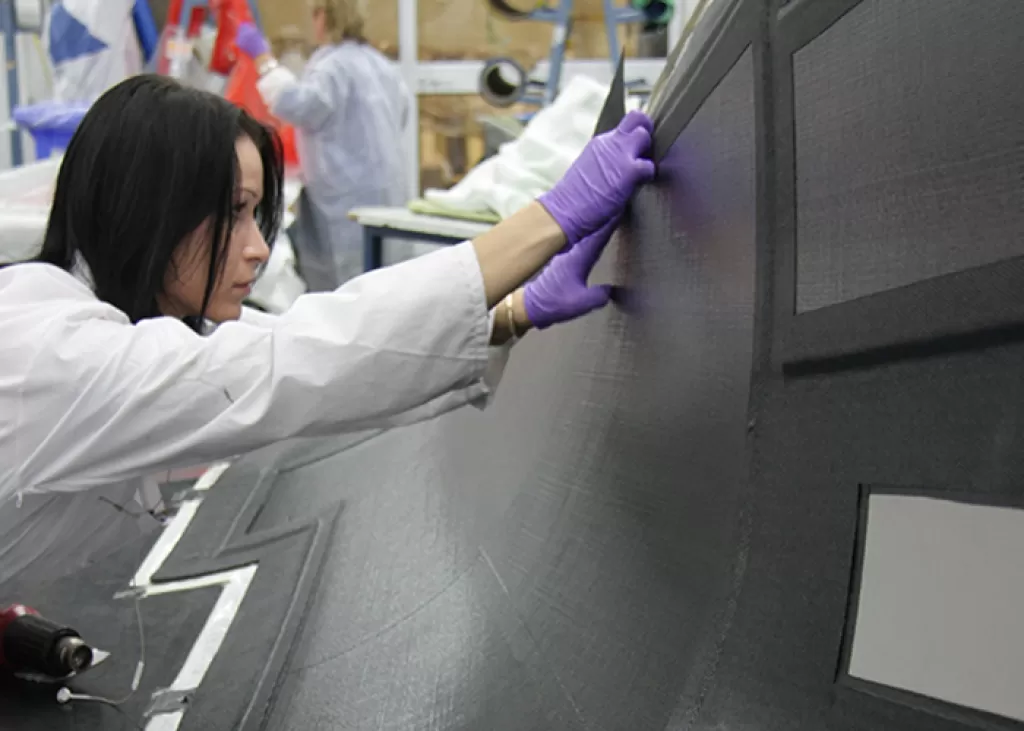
(350, 107)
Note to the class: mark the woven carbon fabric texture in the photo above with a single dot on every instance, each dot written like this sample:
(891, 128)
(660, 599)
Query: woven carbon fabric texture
(655, 526)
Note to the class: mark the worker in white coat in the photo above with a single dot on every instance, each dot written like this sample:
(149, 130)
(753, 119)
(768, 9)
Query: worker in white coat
(127, 351)
(350, 108)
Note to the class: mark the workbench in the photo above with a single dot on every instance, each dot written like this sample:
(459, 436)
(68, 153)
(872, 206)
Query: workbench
(401, 223)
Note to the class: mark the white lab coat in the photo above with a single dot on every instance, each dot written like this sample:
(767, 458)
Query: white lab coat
(89, 403)
(350, 108)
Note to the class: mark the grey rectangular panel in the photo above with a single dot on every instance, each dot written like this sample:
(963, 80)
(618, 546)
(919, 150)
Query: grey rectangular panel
(941, 595)
(909, 146)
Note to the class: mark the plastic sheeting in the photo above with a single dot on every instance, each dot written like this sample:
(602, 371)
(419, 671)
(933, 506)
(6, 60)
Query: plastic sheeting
(52, 115)
(533, 163)
(93, 45)
(25, 197)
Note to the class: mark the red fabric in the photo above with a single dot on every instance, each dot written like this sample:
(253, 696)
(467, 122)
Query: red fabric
(174, 12)
(226, 60)
(241, 90)
(230, 15)
(195, 22)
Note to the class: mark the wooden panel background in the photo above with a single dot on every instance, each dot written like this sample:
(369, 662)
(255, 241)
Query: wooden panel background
(462, 29)
(450, 137)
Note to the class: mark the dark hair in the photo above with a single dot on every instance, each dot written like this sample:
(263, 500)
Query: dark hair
(150, 162)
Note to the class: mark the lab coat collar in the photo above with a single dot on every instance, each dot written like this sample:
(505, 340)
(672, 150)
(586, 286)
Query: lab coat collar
(81, 271)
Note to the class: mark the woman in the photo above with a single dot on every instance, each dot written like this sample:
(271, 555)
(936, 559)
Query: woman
(350, 108)
(164, 205)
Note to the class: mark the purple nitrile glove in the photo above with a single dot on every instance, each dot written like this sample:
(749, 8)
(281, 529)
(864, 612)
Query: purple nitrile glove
(561, 292)
(250, 41)
(600, 183)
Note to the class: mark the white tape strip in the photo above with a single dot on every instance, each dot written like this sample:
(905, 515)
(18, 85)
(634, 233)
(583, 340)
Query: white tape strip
(235, 585)
(211, 476)
(176, 528)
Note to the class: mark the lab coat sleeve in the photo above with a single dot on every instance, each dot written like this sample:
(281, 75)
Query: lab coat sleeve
(478, 394)
(307, 103)
(391, 347)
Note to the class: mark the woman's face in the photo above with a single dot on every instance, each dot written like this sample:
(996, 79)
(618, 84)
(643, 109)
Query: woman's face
(246, 252)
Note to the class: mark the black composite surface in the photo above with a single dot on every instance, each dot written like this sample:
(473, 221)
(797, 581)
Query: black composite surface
(655, 525)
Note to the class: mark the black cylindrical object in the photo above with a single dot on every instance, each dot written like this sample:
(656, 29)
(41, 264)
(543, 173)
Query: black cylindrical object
(503, 82)
(511, 11)
(34, 644)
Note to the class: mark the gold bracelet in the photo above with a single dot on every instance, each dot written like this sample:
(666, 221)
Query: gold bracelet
(511, 319)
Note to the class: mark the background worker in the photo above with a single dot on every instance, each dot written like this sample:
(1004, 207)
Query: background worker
(350, 107)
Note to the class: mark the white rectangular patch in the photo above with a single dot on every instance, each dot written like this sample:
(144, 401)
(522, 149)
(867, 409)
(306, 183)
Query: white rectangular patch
(941, 601)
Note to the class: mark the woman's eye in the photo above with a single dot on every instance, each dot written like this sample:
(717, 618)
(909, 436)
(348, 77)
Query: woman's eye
(238, 213)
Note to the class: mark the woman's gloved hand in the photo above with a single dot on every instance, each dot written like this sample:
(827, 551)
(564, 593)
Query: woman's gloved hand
(600, 183)
(250, 41)
(561, 292)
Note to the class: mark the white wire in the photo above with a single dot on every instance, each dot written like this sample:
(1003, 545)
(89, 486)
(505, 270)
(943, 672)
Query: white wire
(65, 695)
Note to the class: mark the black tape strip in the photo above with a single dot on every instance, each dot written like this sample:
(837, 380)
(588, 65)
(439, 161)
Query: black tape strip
(614, 108)
(953, 494)
(676, 54)
(856, 571)
(857, 691)
(731, 35)
(977, 308)
(801, 21)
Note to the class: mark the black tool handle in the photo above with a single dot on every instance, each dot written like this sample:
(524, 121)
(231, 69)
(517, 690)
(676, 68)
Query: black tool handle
(32, 643)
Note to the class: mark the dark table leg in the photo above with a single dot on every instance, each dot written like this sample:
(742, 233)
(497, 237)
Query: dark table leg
(373, 245)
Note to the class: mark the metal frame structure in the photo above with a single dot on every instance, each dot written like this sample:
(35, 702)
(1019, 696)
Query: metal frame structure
(9, 27)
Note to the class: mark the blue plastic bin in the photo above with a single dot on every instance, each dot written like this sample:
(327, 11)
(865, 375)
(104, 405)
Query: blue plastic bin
(51, 124)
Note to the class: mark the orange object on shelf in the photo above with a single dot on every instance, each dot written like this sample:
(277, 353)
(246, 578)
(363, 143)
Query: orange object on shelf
(241, 90)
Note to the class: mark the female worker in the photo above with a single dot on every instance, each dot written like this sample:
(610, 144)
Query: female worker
(164, 205)
(350, 108)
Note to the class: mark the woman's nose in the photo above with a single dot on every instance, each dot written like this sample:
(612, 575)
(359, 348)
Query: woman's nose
(256, 248)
